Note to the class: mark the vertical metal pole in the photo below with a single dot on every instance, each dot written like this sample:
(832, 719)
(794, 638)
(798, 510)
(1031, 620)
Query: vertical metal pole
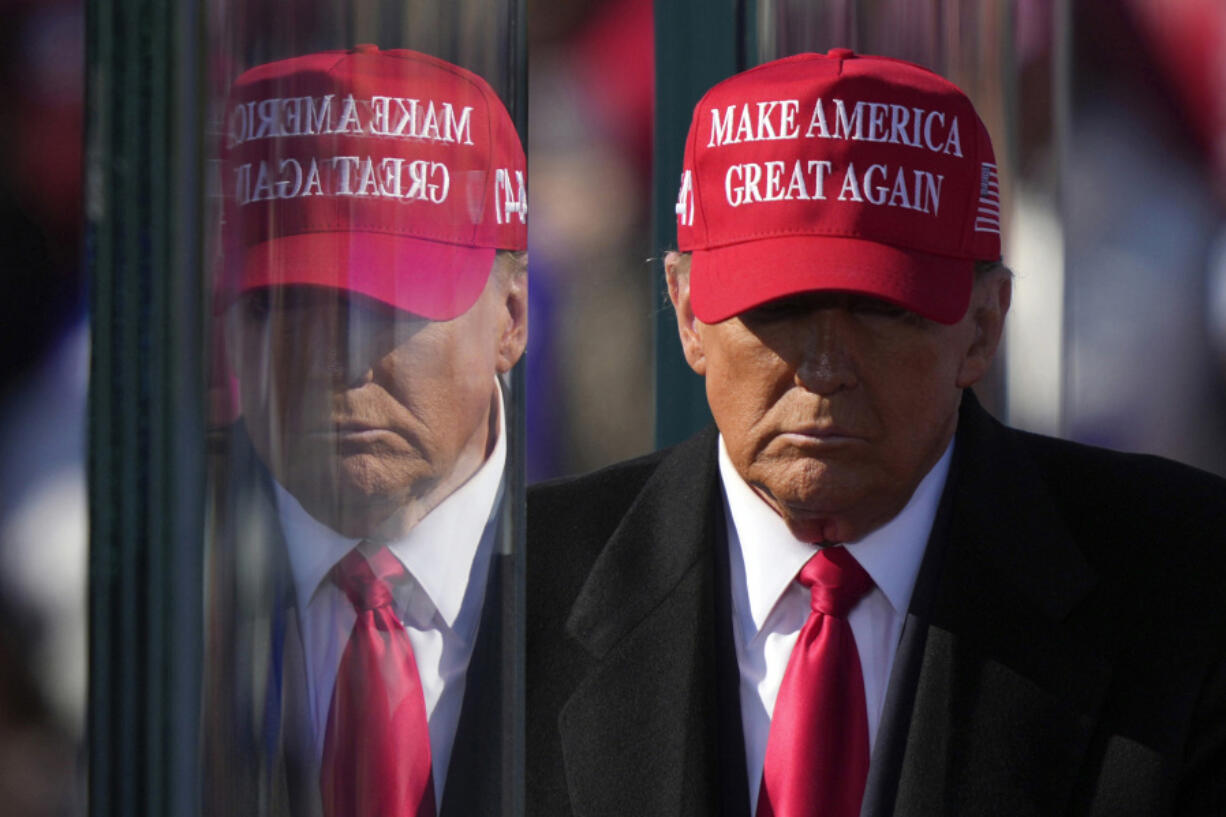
(698, 43)
(146, 392)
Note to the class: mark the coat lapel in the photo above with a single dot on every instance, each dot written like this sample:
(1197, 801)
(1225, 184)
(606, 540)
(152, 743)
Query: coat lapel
(996, 686)
(477, 780)
(288, 761)
(647, 714)
(295, 770)
(259, 755)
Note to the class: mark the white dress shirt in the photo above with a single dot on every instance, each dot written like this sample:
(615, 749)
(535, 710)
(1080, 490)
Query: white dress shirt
(447, 556)
(769, 606)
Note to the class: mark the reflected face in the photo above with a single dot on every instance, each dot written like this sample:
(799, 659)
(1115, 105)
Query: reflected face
(834, 406)
(368, 415)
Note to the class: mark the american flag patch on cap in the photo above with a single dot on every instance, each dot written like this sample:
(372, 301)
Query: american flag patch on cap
(987, 219)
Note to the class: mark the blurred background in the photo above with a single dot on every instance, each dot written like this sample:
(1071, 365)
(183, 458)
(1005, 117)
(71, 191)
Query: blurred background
(591, 72)
(43, 370)
(1109, 120)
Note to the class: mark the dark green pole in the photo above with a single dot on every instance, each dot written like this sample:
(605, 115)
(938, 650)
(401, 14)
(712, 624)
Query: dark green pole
(146, 390)
(698, 43)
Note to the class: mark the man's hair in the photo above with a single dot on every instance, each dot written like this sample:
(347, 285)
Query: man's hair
(981, 267)
(514, 262)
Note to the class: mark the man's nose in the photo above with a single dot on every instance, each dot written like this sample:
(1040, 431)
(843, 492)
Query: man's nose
(337, 346)
(826, 363)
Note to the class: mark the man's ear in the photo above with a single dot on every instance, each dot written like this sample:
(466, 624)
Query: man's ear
(989, 305)
(677, 271)
(514, 335)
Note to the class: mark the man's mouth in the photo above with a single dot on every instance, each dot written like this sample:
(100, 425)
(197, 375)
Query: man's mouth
(822, 433)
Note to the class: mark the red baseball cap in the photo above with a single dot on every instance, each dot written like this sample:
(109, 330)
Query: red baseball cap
(392, 174)
(837, 171)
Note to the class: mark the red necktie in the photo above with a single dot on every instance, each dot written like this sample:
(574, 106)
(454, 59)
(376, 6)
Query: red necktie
(376, 760)
(817, 752)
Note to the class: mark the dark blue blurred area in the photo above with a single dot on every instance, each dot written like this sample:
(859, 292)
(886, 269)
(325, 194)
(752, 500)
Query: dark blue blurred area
(43, 371)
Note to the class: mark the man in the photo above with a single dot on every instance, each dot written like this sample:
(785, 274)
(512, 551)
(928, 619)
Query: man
(859, 593)
(376, 226)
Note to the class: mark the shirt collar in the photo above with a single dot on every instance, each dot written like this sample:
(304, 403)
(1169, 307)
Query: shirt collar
(772, 556)
(440, 552)
(313, 546)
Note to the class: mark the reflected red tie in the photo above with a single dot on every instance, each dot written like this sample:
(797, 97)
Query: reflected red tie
(817, 751)
(376, 760)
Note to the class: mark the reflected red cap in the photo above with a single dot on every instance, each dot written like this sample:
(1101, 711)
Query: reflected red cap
(837, 171)
(391, 174)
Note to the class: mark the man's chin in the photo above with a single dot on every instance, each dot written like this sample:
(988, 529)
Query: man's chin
(823, 506)
(349, 513)
(353, 501)
(821, 529)
(844, 517)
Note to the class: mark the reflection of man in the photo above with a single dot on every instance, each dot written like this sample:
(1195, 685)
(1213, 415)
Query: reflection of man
(376, 219)
(860, 594)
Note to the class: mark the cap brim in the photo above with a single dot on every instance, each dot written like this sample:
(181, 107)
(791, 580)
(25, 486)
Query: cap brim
(432, 279)
(728, 280)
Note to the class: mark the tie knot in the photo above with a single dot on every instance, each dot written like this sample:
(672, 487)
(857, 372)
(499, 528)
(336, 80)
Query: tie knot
(835, 580)
(366, 582)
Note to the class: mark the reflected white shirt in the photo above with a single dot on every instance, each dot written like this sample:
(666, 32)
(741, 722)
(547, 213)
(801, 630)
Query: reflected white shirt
(447, 556)
(769, 606)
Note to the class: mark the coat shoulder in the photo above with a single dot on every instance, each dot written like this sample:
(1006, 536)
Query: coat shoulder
(575, 511)
(1152, 494)
(590, 502)
(1144, 525)
(1144, 519)
(570, 520)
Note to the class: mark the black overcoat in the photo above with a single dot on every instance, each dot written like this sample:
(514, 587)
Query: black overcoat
(1064, 654)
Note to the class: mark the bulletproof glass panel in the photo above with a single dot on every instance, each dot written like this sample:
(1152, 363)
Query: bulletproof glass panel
(367, 245)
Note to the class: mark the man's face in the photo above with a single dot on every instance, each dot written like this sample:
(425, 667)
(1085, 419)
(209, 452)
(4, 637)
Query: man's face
(368, 415)
(834, 406)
